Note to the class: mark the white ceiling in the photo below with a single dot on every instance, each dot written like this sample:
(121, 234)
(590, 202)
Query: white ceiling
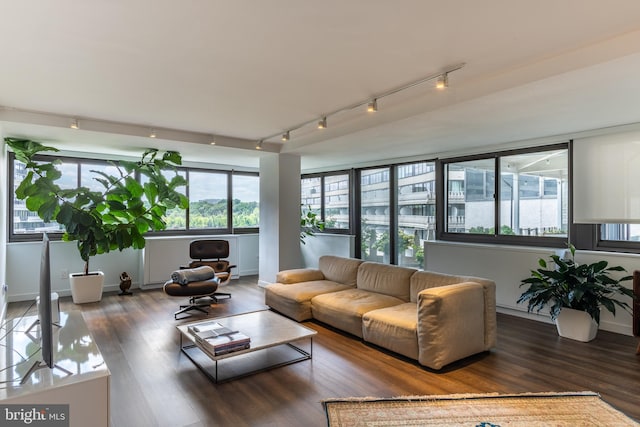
(244, 71)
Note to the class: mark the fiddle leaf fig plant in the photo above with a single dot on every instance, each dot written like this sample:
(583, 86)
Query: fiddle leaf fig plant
(115, 217)
(584, 287)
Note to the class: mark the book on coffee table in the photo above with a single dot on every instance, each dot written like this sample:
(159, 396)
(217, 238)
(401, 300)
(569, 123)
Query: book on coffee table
(208, 329)
(221, 340)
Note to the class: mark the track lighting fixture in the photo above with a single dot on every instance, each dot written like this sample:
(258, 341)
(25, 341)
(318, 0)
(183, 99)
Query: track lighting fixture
(152, 134)
(443, 81)
(259, 145)
(74, 124)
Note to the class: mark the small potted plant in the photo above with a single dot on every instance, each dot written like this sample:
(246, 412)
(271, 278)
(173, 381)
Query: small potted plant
(310, 224)
(575, 294)
(116, 217)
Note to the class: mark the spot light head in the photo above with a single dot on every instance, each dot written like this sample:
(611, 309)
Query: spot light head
(442, 82)
(322, 124)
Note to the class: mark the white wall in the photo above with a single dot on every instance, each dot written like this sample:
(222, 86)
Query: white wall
(162, 255)
(326, 244)
(23, 275)
(509, 265)
(23, 268)
(248, 254)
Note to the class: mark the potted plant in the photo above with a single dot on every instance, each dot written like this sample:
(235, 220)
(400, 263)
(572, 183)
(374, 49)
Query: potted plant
(575, 293)
(116, 217)
(310, 224)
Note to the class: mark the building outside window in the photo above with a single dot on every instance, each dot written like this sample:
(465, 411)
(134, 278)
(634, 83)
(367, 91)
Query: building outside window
(311, 194)
(336, 202)
(533, 194)
(416, 216)
(27, 222)
(469, 196)
(540, 206)
(375, 214)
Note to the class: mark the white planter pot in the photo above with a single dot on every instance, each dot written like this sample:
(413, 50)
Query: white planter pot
(576, 325)
(86, 288)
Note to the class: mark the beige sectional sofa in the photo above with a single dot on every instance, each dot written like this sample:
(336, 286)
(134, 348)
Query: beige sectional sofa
(431, 317)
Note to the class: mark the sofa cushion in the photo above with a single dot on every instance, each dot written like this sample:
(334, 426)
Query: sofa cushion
(299, 275)
(294, 300)
(385, 279)
(422, 280)
(394, 328)
(338, 269)
(344, 309)
(451, 323)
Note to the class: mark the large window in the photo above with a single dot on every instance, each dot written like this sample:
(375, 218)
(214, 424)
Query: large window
(416, 211)
(532, 197)
(246, 201)
(375, 214)
(396, 214)
(176, 218)
(336, 201)
(533, 194)
(210, 199)
(606, 194)
(470, 196)
(311, 194)
(329, 196)
(25, 222)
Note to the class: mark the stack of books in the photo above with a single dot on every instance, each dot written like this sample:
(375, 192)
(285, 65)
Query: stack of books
(218, 339)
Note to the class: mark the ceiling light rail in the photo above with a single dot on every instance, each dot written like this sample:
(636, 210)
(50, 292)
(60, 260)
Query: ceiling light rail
(442, 82)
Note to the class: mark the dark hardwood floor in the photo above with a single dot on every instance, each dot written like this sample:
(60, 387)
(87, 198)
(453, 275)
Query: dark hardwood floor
(154, 384)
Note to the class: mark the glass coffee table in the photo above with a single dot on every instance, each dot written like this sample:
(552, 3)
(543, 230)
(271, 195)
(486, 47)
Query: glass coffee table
(275, 341)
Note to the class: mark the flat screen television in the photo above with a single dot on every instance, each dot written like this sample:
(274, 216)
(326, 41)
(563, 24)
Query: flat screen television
(44, 308)
(44, 313)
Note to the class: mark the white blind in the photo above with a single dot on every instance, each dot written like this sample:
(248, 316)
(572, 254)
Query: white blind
(606, 179)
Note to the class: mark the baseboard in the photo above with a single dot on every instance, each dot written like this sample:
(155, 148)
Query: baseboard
(605, 325)
(263, 283)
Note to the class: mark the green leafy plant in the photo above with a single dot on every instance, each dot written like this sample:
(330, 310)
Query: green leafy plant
(310, 223)
(505, 230)
(584, 287)
(100, 221)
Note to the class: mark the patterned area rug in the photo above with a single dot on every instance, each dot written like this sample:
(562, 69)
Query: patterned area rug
(477, 410)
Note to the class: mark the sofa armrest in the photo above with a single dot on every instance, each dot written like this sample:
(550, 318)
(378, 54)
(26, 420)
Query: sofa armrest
(451, 323)
(298, 275)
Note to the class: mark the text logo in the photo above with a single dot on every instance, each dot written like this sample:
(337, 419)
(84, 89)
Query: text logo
(34, 415)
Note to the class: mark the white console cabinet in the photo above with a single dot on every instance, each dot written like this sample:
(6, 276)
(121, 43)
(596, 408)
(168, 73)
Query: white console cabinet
(82, 380)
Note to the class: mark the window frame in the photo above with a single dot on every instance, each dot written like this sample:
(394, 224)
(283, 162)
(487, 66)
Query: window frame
(497, 238)
(87, 162)
(588, 237)
(322, 176)
(241, 230)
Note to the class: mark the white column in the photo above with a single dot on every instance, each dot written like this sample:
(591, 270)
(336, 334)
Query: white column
(279, 215)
